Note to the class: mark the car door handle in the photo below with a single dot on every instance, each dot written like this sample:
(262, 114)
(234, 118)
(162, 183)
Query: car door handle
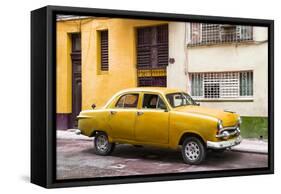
(113, 112)
(140, 113)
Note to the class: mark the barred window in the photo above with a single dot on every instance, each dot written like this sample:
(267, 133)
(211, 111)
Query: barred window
(218, 85)
(204, 34)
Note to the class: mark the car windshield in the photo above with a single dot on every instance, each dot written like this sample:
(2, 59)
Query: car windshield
(180, 99)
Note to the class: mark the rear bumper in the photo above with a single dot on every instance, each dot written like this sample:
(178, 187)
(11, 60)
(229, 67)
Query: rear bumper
(224, 144)
(78, 132)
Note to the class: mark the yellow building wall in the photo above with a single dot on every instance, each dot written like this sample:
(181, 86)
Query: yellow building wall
(97, 86)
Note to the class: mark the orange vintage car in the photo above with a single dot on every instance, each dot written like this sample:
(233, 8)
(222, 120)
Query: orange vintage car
(163, 117)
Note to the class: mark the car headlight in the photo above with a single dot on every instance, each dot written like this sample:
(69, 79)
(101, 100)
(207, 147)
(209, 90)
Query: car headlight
(239, 121)
(220, 127)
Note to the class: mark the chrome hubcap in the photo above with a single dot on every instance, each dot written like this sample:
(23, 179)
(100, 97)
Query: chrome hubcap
(192, 151)
(102, 143)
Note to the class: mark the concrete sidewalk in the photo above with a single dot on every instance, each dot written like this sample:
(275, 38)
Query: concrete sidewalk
(70, 134)
(247, 145)
(252, 146)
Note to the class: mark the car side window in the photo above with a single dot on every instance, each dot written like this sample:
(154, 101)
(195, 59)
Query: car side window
(153, 101)
(128, 101)
(178, 100)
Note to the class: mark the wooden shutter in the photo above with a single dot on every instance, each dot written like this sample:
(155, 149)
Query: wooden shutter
(152, 55)
(143, 48)
(162, 45)
(104, 50)
(152, 47)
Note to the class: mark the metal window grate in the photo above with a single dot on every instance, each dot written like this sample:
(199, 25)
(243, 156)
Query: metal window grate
(159, 81)
(246, 83)
(217, 85)
(104, 50)
(210, 33)
(205, 34)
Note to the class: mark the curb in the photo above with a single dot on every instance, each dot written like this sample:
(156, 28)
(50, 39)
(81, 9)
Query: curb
(70, 134)
(249, 151)
(252, 146)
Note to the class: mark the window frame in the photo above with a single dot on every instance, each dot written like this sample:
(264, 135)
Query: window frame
(74, 37)
(225, 98)
(120, 97)
(159, 96)
(181, 93)
(100, 51)
(240, 36)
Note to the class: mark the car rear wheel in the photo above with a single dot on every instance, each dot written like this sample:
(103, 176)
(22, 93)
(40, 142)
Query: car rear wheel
(101, 144)
(193, 151)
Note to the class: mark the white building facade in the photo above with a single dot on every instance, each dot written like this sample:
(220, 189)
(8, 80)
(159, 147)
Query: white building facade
(221, 66)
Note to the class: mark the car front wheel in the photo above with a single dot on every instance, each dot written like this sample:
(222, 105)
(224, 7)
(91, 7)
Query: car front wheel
(101, 144)
(193, 151)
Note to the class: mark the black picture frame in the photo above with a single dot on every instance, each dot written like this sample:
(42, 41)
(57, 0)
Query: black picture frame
(43, 92)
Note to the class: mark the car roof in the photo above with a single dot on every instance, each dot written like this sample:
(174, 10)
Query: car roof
(162, 90)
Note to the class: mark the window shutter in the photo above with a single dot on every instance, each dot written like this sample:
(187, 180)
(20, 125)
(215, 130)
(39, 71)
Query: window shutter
(143, 47)
(104, 50)
(162, 45)
(152, 55)
(151, 52)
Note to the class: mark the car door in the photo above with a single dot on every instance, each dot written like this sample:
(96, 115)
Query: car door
(122, 116)
(152, 120)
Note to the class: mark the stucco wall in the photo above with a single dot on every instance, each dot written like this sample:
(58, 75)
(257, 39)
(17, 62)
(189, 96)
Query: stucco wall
(97, 86)
(226, 57)
(177, 71)
(63, 66)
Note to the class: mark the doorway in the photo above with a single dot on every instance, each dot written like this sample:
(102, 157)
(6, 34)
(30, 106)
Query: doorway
(76, 79)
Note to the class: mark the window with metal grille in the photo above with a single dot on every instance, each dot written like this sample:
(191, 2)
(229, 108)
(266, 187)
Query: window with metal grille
(104, 50)
(218, 85)
(204, 34)
(159, 81)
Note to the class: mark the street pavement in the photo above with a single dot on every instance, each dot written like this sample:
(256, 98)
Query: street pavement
(76, 159)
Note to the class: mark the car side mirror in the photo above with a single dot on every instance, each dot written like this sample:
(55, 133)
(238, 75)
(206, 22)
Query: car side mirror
(93, 106)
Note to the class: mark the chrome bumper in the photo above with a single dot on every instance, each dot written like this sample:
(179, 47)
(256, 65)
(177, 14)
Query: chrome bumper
(224, 144)
(224, 133)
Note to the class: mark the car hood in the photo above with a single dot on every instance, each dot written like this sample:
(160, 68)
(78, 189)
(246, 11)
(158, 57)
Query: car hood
(228, 118)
